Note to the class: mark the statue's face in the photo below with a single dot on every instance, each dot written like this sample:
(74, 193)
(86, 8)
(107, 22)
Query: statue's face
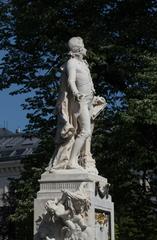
(51, 206)
(83, 50)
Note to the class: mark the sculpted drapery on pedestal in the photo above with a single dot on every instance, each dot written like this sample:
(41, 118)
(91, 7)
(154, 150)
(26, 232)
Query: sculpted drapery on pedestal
(77, 107)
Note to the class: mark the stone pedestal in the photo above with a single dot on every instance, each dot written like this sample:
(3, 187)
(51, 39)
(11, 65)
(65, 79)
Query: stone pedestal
(100, 216)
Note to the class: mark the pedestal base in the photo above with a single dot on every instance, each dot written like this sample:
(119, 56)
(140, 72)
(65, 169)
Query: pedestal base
(100, 215)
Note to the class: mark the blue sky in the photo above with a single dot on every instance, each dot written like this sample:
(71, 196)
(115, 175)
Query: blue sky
(11, 113)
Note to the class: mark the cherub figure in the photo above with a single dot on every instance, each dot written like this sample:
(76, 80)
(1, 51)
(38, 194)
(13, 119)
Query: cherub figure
(69, 209)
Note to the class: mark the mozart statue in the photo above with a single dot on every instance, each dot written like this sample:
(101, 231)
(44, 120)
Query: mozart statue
(77, 107)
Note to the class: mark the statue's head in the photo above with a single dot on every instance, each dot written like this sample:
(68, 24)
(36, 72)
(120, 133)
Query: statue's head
(51, 206)
(76, 46)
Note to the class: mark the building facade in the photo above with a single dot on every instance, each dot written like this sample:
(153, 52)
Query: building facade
(13, 148)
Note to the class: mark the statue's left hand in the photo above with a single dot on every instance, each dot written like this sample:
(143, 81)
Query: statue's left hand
(79, 97)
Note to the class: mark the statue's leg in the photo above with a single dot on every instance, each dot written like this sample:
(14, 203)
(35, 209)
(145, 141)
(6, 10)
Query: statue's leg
(70, 225)
(86, 149)
(86, 160)
(84, 121)
(80, 221)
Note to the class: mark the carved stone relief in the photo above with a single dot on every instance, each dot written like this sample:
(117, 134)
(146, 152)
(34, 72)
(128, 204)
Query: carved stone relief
(65, 218)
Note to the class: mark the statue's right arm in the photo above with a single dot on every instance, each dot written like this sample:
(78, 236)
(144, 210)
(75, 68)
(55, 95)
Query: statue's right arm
(71, 72)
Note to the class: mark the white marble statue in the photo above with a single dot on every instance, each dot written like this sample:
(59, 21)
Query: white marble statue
(69, 211)
(77, 107)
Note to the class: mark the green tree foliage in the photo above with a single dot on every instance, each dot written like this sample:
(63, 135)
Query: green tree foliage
(121, 38)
